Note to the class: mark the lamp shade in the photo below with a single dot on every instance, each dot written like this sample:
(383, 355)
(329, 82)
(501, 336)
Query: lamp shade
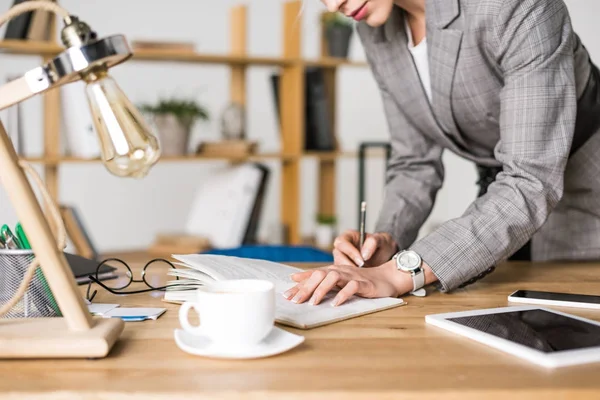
(128, 147)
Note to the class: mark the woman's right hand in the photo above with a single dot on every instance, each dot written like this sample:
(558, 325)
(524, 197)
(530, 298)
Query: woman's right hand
(377, 249)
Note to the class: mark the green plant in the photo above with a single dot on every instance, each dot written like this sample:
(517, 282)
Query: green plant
(326, 219)
(335, 19)
(183, 109)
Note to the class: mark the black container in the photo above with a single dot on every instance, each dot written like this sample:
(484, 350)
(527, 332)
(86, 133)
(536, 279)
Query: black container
(338, 40)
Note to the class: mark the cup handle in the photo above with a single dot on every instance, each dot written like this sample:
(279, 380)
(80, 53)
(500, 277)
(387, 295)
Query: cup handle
(183, 318)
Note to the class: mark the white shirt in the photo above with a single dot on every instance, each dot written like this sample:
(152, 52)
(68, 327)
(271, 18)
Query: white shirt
(419, 54)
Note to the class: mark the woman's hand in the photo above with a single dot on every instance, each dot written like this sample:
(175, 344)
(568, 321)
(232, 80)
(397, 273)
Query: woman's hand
(381, 281)
(377, 249)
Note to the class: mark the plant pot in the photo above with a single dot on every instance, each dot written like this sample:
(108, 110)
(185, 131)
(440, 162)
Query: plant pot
(338, 40)
(324, 236)
(173, 135)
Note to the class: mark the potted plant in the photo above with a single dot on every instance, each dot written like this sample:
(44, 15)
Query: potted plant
(325, 231)
(338, 32)
(174, 119)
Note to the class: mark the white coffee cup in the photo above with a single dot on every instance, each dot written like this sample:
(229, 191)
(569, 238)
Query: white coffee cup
(232, 312)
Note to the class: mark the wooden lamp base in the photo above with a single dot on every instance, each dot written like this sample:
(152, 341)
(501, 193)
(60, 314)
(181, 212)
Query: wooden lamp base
(52, 338)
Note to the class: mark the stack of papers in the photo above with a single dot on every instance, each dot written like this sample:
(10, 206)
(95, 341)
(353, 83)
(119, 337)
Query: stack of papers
(125, 313)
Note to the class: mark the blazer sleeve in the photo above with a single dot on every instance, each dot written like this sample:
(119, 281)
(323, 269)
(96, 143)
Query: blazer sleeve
(533, 46)
(414, 173)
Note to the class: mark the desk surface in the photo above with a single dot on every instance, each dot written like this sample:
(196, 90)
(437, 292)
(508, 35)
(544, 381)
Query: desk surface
(382, 355)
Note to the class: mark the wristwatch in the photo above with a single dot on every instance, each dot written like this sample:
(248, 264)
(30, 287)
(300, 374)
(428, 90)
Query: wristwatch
(408, 261)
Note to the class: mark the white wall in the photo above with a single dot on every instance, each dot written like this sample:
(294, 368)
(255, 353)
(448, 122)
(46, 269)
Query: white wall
(161, 201)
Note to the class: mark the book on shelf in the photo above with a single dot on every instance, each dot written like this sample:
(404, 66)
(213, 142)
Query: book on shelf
(196, 270)
(31, 25)
(18, 27)
(227, 205)
(227, 148)
(12, 118)
(39, 27)
(77, 232)
(81, 140)
(318, 133)
(163, 45)
(169, 243)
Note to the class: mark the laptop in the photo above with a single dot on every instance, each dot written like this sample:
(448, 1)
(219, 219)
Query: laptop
(83, 267)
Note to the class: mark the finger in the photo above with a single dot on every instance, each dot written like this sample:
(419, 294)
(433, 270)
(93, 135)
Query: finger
(291, 292)
(351, 252)
(332, 279)
(351, 288)
(340, 258)
(351, 236)
(308, 287)
(372, 242)
(301, 276)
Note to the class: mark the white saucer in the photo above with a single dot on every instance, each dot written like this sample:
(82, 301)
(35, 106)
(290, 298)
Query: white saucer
(278, 341)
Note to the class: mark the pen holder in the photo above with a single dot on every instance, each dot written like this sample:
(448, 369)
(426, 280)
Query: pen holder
(38, 301)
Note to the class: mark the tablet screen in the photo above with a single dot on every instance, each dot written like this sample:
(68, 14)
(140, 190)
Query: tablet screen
(538, 329)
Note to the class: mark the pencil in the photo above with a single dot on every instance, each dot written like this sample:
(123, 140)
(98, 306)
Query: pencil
(363, 215)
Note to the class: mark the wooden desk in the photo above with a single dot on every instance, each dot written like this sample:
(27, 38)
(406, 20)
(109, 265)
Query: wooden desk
(386, 355)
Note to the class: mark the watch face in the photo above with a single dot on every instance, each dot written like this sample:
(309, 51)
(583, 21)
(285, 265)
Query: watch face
(409, 260)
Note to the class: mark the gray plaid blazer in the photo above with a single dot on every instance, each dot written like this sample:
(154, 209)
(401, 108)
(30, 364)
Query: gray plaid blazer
(512, 87)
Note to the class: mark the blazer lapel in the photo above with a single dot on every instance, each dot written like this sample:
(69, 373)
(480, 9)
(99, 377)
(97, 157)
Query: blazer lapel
(403, 78)
(435, 118)
(443, 47)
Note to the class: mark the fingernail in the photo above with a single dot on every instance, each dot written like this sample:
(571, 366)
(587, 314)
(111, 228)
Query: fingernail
(296, 298)
(365, 255)
(312, 301)
(334, 303)
(287, 294)
(359, 262)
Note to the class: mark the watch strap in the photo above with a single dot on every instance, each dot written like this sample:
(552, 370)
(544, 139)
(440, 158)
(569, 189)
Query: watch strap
(418, 278)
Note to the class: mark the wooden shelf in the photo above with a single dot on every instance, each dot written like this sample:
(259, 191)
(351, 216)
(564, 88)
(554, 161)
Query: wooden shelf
(331, 62)
(185, 158)
(13, 46)
(192, 57)
(28, 47)
(334, 155)
(199, 158)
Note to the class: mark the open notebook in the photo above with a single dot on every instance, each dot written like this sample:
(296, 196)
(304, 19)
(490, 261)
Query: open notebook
(199, 269)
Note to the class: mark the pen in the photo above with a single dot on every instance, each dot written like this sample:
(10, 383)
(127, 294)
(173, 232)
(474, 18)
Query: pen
(10, 240)
(363, 215)
(50, 302)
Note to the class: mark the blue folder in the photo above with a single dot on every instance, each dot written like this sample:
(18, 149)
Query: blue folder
(281, 254)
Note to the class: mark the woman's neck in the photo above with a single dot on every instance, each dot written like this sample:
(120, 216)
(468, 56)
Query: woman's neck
(416, 8)
(416, 17)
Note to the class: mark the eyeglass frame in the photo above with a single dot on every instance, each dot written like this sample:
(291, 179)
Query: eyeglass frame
(115, 291)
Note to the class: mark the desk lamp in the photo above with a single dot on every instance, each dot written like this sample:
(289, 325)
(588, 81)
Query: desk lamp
(128, 150)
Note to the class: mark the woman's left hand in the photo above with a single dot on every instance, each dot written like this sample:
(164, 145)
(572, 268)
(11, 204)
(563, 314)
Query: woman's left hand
(382, 281)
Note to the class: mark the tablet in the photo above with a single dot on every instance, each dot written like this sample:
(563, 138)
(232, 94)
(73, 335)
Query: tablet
(545, 337)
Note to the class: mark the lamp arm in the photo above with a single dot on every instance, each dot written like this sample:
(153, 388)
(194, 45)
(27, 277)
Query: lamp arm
(35, 5)
(15, 92)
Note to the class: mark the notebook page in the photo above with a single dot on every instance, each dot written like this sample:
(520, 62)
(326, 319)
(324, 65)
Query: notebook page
(227, 267)
(308, 316)
(189, 273)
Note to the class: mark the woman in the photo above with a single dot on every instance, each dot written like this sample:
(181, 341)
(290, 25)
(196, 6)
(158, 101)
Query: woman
(504, 83)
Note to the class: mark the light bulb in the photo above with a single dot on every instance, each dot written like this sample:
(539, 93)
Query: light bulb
(129, 149)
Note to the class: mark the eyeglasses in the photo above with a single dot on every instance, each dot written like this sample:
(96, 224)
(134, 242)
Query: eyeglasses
(155, 275)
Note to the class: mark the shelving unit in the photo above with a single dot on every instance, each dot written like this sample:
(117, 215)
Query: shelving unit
(292, 108)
